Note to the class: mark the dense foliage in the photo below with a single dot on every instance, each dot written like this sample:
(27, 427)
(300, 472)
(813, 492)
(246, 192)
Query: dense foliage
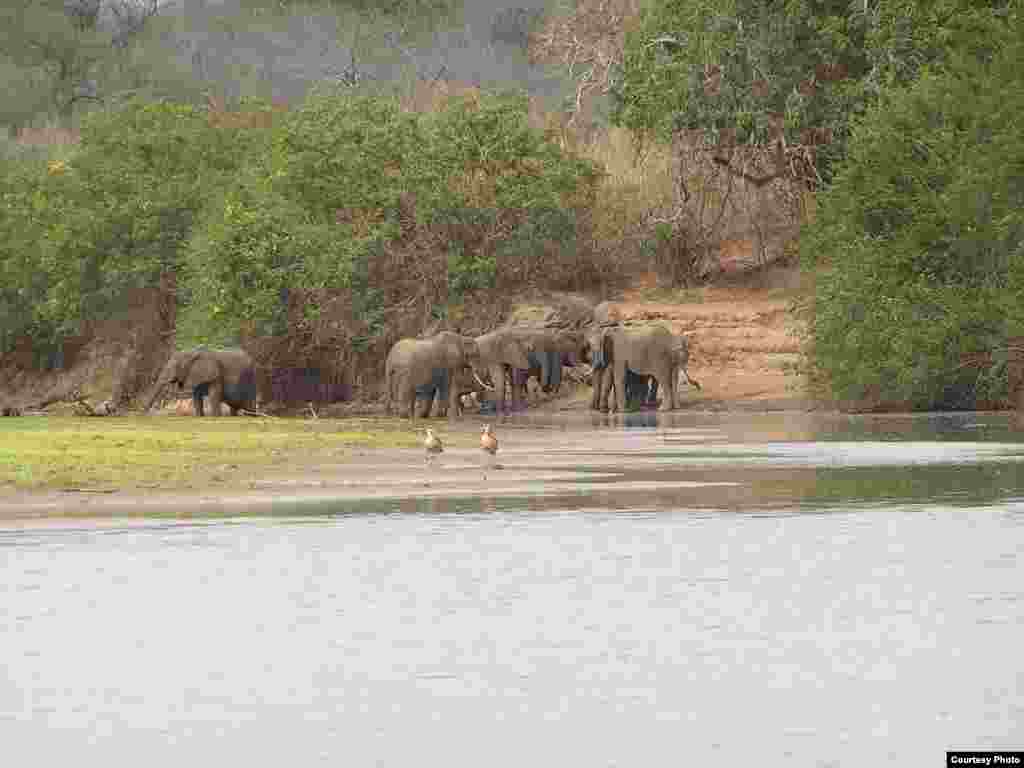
(921, 238)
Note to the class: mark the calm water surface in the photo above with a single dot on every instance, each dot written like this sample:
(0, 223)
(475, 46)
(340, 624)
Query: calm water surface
(788, 590)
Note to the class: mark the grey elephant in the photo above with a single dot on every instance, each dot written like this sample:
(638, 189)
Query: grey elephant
(568, 349)
(646, 351)
(221, 375)
(423, 364)
(466, 383)
(508, 349)
(644, 389)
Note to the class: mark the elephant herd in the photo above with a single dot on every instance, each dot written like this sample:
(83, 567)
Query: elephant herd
(446, 366)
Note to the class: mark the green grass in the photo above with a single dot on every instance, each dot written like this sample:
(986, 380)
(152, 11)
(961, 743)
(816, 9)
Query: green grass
(178, 452)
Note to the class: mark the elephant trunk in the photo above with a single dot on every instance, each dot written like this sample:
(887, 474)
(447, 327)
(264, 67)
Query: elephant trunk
(158, 389)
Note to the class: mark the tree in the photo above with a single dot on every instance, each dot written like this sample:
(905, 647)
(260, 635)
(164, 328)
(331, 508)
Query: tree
(64, 43)
(920, 241)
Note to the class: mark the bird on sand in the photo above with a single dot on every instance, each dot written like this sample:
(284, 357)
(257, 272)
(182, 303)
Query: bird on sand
(489, 445)
(432, 446)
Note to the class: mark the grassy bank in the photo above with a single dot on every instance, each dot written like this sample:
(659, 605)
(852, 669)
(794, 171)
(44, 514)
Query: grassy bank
(178, 452)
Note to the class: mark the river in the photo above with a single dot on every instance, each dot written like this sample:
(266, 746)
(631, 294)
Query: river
(781, 589)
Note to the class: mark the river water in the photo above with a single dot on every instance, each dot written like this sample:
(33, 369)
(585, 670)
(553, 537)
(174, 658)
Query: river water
(784, 589)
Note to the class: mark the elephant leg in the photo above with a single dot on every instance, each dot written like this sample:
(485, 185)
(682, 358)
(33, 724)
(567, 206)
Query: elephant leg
(405, 396)
(498, 377)
(216, 396)
(595, 382)
(518, 389)
(452, 405)
(197, 404)
(425, 405)
(607, 382)
(620, 386)
(652, 384)
(448, 394)
(604, 388)
(668, 402)
(556, 371)
(444, 403)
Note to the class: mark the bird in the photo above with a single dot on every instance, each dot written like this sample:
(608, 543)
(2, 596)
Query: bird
(432, 446)
(488, 444)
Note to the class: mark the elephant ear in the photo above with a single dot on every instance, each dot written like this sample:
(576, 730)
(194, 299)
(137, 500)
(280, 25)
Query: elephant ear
(204, 369)
(178, 365)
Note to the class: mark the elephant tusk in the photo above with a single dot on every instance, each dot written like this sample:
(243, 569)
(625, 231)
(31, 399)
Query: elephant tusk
(683, 375)
(478, 381)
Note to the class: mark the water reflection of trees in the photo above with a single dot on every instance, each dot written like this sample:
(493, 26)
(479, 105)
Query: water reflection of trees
(953, 484)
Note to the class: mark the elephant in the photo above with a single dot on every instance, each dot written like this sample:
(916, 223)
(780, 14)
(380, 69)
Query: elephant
(647, 352)
(424, 364)
(526, 349)
(466, 383)
(221, 375)
(569, 350)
